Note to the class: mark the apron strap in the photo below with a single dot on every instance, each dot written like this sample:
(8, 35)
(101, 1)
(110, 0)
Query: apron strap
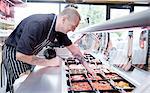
(46, 41)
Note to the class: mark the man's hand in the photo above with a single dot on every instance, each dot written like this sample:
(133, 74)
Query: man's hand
(91, 71)
(77, 54)
(81, 59)
(85, 64)
(34, 60)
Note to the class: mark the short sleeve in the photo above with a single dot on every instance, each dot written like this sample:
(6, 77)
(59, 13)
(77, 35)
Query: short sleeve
(63, 39)
(30, 36)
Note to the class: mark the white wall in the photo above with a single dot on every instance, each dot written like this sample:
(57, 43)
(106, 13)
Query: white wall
(34, 8)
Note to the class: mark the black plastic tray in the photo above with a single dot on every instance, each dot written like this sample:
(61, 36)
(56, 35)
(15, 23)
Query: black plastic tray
(132, 87)
(119, 77)
(70, 82)
(81, 91)
(71, 75)
(112, 90)
(77, 71)
(89, 56)
(99, 75)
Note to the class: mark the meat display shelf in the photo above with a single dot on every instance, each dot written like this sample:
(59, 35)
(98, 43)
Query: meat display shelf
(106, 81)
(137, 77)
(60, 80)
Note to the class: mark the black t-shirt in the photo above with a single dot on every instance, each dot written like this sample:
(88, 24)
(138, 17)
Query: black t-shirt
(32, 31)
(63, 39)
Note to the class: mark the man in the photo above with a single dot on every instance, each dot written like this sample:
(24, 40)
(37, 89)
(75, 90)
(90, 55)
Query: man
(31, 35)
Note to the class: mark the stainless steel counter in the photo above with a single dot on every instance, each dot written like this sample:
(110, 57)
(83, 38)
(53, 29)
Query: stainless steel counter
(44, 80)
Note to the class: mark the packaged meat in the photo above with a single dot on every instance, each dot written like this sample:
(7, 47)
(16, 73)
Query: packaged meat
(101, 85)
(122, 84)
(74, 66)
(81, 86)
(78, 71)
(77, 77)
(112, 76)
(93, 66)
(96, 78)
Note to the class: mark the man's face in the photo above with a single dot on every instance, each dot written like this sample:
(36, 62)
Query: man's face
(70, 25)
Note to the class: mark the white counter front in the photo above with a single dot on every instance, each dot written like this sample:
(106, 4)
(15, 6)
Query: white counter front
(44, 80)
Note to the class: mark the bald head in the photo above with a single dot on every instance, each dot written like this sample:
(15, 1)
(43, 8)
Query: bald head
(67, 20)
(71, 13)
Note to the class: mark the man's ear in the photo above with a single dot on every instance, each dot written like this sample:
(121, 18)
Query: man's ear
(64, 18)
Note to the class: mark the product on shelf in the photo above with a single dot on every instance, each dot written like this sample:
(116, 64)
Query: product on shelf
(95, 61)
(105, 70)
(112, 76)
(81, 86)
(111, 71)
(77, 77)
(89, 58)
(70, 60)
(101, 85)
(96, 70)
(102, 67)
(74, 66)
(96, 78)
(88, 55)
(93, 66)
(122, 84)
(78, 71)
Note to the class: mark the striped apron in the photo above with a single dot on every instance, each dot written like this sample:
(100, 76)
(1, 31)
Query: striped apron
(12, 67)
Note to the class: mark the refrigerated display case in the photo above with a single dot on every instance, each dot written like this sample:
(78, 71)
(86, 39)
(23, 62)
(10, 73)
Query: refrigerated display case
(111, 59)
(127, 50)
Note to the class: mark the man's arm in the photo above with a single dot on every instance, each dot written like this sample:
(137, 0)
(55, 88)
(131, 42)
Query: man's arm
(76, 53)
(34, 60)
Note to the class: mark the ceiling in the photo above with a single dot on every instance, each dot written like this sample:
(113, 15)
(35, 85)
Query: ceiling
(93, 1)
